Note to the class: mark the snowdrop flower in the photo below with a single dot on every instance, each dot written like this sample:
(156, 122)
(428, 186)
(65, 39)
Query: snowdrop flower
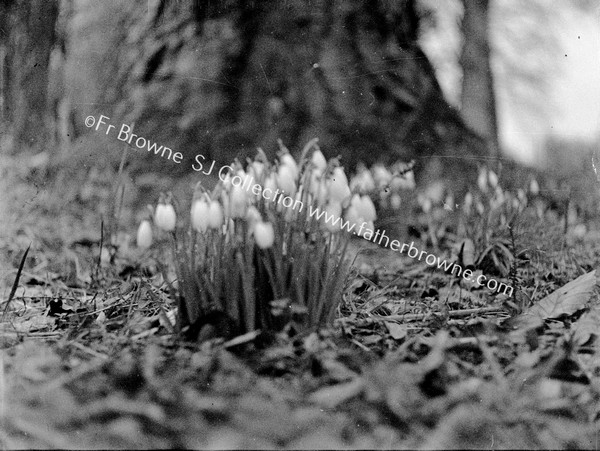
(264, 235)
(351, 215)
(318, 160)
(449, 202)
(256, 169)
(144, 234)
(479, 207)
(407, 181)
(534, 188)
(270, 183)
(493, 179)
(364, 207)
(237, 202)
(287, 160)
(363, 181)
(338, 188)
(199, 215)
(381, 175)
(286, 179)
(395, 201)
(253, 215)
(425, 203)
(215, 215)
(333, 211)
(467, 203)
(482, 180)
(164, 216)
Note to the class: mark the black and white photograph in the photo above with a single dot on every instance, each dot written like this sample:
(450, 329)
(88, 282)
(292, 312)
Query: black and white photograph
(299, 224)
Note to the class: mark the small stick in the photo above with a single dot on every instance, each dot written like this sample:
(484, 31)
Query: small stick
(451, 314)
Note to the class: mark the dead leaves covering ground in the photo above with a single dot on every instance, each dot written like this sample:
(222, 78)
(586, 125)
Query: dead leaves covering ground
(416, 361)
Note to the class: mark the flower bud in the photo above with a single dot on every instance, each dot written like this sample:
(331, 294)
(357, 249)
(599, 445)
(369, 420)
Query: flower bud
(252, 216)
(493, 179)
(164, 217)
(534, 188)
(482, 180)
(381, 175)
(286, 179)
(287, 160)
(367, 209)
(256, 169)
(426, 204)
(351, 215)
(270, 184)
(479, 207)
(395, 201)
(333, 211)
(338, 188)
(318, 160)
(199, 215)
(144, 234)
(467, 203)
(363, 181)
(238, 202)
(264, 235)
(405, 181)
(215, 215)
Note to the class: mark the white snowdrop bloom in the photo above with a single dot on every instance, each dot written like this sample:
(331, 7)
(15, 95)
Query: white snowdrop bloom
(215, 214)
(252, 217)
(256, 169)
(286, 180)
(534, 188)
(468, 203)
(362, 181)
(479, 207)
(395, 201)
(199, 215)
(144, 234)
(381, 175)
(270, 185)
(264, 235)
(351, 215)
(287, 160)
(333, 212)
(366, 208)
(493, 179)
(338, 188)
(164, 217)
(482, 180)
(318, 160)
(238, 202)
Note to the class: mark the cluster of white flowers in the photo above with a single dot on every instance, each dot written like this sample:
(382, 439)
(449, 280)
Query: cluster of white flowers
(489, 196)
(386, 184)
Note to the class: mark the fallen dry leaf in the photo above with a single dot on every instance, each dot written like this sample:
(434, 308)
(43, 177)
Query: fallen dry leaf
(567, 300)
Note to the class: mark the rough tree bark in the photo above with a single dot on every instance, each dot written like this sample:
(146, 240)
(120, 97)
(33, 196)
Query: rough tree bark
(478, 105)
(233, 75)
(28, 42)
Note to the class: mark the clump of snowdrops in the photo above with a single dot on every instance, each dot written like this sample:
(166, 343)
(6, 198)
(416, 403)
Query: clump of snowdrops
(255, 248)
(485, 215)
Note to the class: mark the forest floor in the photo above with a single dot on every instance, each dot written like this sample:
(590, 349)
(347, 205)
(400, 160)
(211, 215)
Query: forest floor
(415, 359)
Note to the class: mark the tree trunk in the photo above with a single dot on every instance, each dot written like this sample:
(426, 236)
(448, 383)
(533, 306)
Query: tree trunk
(235, 75)
(478, 106)
(31, 35)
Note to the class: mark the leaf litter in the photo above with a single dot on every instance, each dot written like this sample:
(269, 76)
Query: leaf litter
(415, 360)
